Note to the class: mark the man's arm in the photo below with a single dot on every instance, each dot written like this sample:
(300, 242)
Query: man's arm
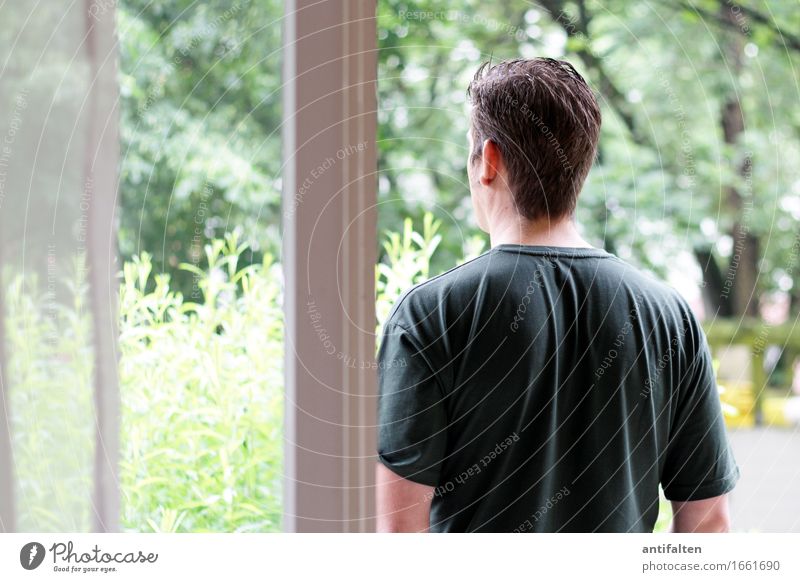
(702, 516)
(699, 469)
(402, 505)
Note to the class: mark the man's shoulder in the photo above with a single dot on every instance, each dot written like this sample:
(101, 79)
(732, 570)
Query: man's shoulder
(646, 286)
(664, 306)
(422, 299)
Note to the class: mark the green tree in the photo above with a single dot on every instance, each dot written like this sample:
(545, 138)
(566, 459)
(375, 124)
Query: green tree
(200, 85)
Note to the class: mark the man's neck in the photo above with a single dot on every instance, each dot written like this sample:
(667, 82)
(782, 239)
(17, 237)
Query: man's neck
(560, 233)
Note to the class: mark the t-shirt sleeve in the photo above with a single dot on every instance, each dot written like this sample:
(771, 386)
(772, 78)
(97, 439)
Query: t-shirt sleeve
(412, 421)
(699, 463)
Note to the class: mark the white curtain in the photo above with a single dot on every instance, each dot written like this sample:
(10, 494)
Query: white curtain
(58, 268)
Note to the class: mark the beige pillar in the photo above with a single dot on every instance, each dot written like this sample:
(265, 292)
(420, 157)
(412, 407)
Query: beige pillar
(329, 254)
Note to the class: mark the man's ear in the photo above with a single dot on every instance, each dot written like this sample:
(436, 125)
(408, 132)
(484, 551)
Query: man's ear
(490, 162)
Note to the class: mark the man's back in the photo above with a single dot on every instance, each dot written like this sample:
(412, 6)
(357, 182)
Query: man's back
(550, 389)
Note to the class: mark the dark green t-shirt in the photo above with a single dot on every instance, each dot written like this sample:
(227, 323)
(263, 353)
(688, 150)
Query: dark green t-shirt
(550, 389)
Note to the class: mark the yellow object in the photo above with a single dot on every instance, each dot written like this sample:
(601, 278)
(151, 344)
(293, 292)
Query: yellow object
(738, 404)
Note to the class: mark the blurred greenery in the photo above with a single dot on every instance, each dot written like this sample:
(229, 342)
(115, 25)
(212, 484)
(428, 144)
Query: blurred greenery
(200, 88)
(697, 173)
(202, 387)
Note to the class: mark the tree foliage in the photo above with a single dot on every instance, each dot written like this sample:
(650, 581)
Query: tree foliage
(677, 187)
(200, 85)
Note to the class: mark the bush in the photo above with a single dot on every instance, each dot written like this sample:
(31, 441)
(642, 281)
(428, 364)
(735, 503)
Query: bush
(202, 392)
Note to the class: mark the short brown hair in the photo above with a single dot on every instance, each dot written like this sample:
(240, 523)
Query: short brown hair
(545, 120)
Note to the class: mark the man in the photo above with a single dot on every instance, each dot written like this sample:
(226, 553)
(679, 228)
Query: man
(546, 385)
